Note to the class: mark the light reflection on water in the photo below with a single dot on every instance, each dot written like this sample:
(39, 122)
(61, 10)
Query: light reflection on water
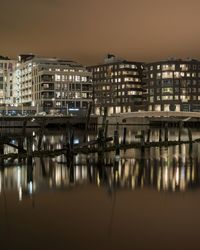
(174, 168)
(141, 201)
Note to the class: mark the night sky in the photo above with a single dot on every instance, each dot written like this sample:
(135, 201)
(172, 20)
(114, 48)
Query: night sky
(85, 30)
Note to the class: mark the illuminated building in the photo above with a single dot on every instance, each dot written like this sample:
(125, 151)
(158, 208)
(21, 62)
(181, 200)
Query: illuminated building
(9, 94)
(118, 85)
(51, 83)
(173, 85)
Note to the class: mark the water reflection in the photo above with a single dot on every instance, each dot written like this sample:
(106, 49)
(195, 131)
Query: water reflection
(163, 169)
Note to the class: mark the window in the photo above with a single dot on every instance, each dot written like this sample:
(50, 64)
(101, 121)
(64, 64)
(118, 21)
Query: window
(57, 77)
(177, 74)
(168, 67)
(184, 67)
(158, 75)
(167, 90)
(167, 75)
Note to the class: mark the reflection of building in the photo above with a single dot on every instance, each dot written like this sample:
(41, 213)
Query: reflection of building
(118, 85)
(173, 85)
(53, 83)
(169, 170)
(8, 91)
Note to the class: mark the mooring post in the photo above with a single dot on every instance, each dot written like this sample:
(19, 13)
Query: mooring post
(71, 140)
(116, 142)
(189, 135)
(24, 127)
(106, 129)
(20, 146)
(160, 135)
(166, 132)
(180, 130)
(124, 135)
(104, 118)
(148, 135)
(21, 150)
(190, 140)
(1, 153)
(87, 122)
(41, 133)
(29, 150)
(142, 140)
(100, 140)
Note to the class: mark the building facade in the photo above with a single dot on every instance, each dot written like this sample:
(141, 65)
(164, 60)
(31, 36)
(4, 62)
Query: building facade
(173, 85)
(8, 89)
(54, 84)
(118, 85)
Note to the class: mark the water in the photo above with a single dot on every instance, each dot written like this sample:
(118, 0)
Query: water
(144, 200)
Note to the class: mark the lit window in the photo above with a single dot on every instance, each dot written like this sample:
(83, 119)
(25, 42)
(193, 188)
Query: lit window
(177, 74)
(57, 77)
(168, 67)
(184, 67)
(167, 75)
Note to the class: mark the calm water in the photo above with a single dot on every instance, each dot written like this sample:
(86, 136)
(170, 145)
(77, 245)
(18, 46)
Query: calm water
(147, 200)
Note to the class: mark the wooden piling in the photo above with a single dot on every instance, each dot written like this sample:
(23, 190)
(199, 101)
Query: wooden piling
(166, 132)
(100, 140)
(148, 135)
(41, 134)
(189, 135)
(180, 130)
(87, 122)
(1, 153)
(160, 135)
(124, 135)
(106, 129)
(24, 127)
(190, 141)
(29, 150)
(116, 142)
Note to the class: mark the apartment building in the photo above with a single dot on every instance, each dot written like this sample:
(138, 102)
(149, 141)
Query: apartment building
(173, 85)
(9, 94)
(52, 83)
(118, 85)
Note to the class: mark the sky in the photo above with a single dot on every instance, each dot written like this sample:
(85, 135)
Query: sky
(86, 30)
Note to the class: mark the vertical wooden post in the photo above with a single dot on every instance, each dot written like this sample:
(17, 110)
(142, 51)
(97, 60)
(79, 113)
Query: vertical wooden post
(1, 153)
(87, 122)
(20, 145)
(148, 135)
(166, 132)
(20, 149)
(180, 130)
(142, 138)
(104, 118)
(100, 140)
(116, 142)
(190, 140)
(29, 150)
(189, 135)
(124, 135)
(41, 133)
(24, 127)
(71, 139)
(160, 135)
(106, 130)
